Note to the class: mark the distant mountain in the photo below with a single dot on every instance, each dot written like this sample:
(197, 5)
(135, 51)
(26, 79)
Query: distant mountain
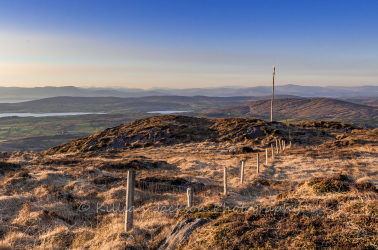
(16, 93)
(302, 109)
(290, 89)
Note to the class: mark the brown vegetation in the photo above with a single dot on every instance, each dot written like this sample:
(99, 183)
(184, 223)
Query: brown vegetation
(71, 198)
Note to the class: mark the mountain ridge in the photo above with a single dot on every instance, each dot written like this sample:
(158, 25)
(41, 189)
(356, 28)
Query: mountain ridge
(20, 93)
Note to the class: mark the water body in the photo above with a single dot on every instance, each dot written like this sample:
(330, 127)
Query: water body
(166, 112)
(13, 101)
(45, 114)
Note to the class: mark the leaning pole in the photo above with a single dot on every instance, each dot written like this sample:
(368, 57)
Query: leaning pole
(271, 103)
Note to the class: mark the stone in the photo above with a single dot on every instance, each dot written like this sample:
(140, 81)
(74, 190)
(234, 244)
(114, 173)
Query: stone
(180, 232)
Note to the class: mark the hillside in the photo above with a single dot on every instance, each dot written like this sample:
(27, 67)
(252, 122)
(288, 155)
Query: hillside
(171, 129)
(370, 101)
(319, 191)
(302, 109)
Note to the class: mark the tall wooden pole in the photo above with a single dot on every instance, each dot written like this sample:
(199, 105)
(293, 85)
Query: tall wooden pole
(271, 104)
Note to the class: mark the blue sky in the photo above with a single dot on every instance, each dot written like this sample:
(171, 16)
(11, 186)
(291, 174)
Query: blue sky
(187, 43)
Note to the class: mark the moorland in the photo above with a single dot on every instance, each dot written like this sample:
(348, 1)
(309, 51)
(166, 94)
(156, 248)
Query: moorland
(319, 193)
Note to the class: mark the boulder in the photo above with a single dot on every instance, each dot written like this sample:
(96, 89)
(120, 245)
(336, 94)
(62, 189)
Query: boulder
(180, 232)
(254, 132)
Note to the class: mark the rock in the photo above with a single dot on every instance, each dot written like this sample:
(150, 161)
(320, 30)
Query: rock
(241, 150)
(181, 232)
(254, 132)
(244, 150)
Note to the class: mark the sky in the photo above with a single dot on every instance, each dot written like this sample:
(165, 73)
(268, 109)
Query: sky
(188, 43)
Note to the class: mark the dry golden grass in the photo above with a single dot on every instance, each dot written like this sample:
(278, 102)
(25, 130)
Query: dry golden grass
(43, 204)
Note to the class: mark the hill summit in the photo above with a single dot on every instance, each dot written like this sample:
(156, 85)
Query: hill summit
(172, 129)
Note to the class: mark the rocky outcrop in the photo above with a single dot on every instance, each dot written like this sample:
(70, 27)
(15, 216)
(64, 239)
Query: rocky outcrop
(163, 130)
(180, 232)
(171, 129)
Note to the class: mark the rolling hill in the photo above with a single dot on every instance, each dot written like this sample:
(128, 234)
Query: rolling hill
(122, 105)
(370, 101)
(302, 109)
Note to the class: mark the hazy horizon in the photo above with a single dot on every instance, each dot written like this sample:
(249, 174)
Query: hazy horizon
(184, 88)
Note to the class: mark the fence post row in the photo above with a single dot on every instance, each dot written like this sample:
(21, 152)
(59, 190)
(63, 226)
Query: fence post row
(131, 183)
(129, 200)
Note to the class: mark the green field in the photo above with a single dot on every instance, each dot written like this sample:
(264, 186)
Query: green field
(38, 133)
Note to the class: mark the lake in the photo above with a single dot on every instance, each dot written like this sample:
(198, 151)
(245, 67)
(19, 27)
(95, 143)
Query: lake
(166, 112)
(13, 101)
(46, 114)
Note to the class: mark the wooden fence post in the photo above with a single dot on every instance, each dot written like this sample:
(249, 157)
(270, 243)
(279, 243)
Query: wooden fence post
(258, 163)
(272, 153)
(266, 156)
(189, 192)
(242, 173)
(225, 181)
(290, 144)
(129, 200)
(277, 145)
